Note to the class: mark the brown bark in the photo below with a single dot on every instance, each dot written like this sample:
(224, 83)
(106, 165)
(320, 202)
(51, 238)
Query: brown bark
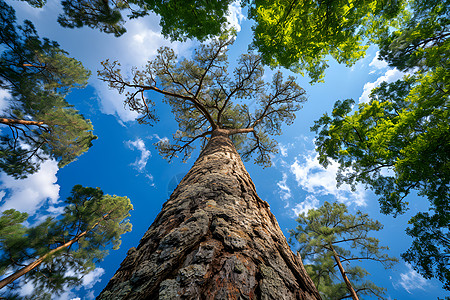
(21, 122)
(214, 239)
(344, 276)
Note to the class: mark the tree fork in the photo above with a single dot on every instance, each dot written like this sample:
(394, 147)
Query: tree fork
(214, 239)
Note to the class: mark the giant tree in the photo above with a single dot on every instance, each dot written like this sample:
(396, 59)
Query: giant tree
(54, 254)
(330, 239)
(38, 122)
(399, 141)
(214, 237)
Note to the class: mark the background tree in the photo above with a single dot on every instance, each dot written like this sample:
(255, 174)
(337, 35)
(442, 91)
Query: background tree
(199, 19)
(38, 75)
(399, 142)
(294, 34)
(330, 237)
(56, 253)
(298, 35)
(214, 236)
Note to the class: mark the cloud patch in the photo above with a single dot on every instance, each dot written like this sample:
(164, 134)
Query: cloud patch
(141, 162)
(390, 76)
(318, 181)
(311, 202)
(377, 64)
(29, 194)
(235, 15)
(411, 280)
(285, 191)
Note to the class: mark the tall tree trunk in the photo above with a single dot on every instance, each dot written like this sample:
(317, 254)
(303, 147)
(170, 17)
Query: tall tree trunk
(214, 239)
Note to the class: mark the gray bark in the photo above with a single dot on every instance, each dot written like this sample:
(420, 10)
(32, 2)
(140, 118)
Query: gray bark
(214, 239)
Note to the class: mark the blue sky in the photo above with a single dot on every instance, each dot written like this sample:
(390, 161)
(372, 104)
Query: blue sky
(124, 162)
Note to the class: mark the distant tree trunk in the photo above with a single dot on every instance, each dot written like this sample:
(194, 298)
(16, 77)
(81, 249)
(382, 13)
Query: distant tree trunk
(344, 275)
(214, 239)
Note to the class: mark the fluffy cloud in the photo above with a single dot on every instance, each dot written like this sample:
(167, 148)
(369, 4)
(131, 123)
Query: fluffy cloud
(318, 181)
(4, 96)
(29, 194)
(137, 46)
(87, 283)
(411, 280)
(390, 76)
(285, 192)
(141, 162)
(235, 15)
(310, 202)
(283, 150)
(90, 279)
(377, 64)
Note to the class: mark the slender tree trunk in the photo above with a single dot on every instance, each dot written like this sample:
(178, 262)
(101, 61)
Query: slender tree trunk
(19, 273)
(214, 239)
(344, 276)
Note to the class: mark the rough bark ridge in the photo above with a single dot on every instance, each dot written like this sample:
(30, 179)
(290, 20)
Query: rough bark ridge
(214, 239)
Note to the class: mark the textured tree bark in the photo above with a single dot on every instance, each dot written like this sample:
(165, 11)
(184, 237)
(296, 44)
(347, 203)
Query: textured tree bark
(214, 239)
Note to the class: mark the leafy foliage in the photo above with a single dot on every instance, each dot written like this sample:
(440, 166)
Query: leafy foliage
(204, 98)
(180, 20)
(330, 228)
(66, 247)
(399, 142)
(300, 34)
(38, 75)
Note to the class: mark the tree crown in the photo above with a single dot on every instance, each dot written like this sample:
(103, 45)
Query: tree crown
(90, 223)
(204, 98)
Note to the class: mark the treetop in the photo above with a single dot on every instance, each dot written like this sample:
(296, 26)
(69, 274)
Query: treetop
(204, 97)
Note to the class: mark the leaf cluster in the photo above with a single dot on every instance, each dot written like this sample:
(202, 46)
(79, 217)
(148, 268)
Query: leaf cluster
(91, 219)
(299, 35)
(180, 20)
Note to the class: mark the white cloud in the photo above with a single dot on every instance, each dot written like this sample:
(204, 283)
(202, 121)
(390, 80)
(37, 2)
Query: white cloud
(140, 162)
(91, 278)
(390, 76)
(285, 192)
(235, 15)
(411, 280)
(87, 283)
(310, 202)
(137, 46)
(377, 63)
(283, 150)
(29, 194)
(4, 96)
(111, 102)
(318, 181)
(160, 139)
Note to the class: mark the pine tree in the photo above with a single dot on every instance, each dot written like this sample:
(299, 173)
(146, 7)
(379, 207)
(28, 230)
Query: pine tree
(40, 124)
(55, 253)
(214, 238)
(331, 238)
